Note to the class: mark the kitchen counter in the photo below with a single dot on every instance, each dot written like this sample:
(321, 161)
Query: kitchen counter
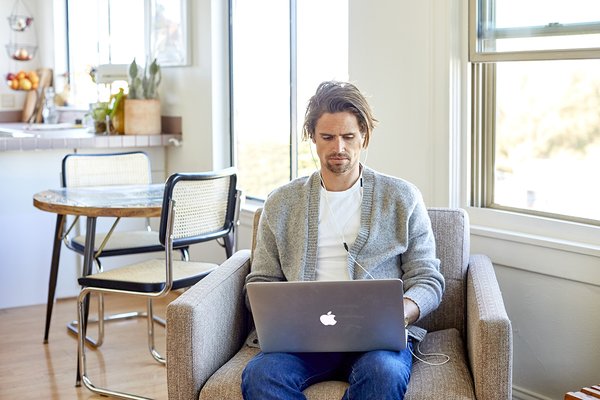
(18, 136)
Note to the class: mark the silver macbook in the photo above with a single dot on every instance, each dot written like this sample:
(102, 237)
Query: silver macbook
(328, 316)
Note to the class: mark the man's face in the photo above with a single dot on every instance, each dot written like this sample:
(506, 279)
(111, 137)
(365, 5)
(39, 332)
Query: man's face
(338, 141)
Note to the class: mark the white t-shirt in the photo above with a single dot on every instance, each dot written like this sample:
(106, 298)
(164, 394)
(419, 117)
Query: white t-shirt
(339, 221)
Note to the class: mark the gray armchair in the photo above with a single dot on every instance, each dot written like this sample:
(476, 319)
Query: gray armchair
(208, 325)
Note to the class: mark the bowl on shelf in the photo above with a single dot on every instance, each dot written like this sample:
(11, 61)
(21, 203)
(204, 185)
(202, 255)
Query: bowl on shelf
(19, 22)
(21, 52)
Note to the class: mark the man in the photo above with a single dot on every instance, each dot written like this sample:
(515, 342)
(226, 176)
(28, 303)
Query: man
(346, 221)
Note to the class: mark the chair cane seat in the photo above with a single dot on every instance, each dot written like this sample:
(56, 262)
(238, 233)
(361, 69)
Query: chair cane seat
(127, 242)
(148, 276)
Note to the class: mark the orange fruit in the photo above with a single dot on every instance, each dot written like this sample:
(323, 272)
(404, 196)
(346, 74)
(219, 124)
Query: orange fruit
(33, 76)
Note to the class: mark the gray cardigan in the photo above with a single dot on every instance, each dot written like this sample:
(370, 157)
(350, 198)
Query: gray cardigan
(394, 240)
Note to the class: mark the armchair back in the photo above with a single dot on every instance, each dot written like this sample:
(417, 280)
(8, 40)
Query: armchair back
(451, 232)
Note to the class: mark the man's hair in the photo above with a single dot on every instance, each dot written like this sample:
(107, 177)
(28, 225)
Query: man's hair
(333, 97)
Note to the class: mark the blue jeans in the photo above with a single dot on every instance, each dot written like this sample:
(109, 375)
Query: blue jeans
(377, 374)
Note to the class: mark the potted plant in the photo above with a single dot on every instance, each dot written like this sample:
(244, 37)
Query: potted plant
(98, 117)
(142, 106)
(107, 117)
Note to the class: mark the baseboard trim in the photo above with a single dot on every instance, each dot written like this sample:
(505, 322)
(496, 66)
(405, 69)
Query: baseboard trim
(520, 393)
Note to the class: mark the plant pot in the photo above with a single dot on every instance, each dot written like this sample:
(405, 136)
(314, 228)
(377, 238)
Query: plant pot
(142, 117)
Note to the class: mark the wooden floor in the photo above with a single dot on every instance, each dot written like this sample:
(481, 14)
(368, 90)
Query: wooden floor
(30, 369)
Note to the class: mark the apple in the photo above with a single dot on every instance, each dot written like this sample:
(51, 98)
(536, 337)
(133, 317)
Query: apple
(328, 319)
(21, 74)
(25, 84)
(14, 84)
(10, 76)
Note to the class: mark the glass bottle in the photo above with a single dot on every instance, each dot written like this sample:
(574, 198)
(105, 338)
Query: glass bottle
(50, 113)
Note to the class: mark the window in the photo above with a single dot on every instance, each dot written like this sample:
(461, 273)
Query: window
(535, 70)
(102, 32)
(280, 52)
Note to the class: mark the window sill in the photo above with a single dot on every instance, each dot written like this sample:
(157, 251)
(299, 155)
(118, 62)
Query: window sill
(560, 249)
(542, 231)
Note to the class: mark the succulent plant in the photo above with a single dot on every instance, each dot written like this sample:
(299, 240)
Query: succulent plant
(143, 83)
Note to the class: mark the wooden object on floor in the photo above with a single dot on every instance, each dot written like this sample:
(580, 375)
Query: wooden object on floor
(592, 391)
(586, 393)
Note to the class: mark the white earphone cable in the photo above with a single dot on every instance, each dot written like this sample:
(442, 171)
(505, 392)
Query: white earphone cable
(435, 364)
(332, 214)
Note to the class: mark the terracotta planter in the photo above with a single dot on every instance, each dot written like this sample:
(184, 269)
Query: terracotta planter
(142, 117)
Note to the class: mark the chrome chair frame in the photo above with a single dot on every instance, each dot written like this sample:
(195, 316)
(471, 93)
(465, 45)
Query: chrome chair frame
(176, 231)
(111, 173)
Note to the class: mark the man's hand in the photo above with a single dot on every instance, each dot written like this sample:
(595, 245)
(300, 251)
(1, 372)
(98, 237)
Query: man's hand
(411, 311)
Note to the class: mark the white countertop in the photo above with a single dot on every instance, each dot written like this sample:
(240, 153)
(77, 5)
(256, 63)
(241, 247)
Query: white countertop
(22, 129)
(20, 136)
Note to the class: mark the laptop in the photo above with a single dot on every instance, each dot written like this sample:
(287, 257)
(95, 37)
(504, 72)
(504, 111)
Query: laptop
(328, 316)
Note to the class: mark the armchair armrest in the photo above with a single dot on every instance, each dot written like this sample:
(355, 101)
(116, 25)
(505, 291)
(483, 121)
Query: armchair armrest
(206, 326)
(489, 334)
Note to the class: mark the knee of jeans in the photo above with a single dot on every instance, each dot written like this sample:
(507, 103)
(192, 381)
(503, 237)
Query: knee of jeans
(253, 380)
(386, 367)
(255, 368)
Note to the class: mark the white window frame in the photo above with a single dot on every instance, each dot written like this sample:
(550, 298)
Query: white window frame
(483, 91)
(494, 225)
(295, 131)
(257, 201)
(477, 54)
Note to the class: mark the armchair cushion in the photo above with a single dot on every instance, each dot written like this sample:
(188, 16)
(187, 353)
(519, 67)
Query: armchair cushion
(451, 380)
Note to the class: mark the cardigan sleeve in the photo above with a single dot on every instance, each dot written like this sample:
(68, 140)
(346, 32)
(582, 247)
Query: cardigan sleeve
(421, 269)
(266, 265)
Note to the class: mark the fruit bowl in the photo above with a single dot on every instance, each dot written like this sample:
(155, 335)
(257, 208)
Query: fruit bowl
(21, 52)
(23, 80)
(19, 22)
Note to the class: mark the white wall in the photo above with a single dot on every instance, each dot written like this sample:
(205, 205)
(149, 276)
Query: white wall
(10, 99)
(199, 93)
(388, 60)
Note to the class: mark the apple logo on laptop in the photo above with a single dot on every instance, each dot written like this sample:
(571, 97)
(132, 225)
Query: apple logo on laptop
(328, 319)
